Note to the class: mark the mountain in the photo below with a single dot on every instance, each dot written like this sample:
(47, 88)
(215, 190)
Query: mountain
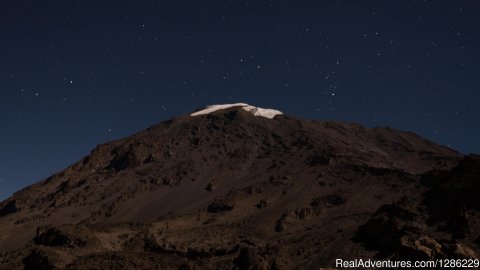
(239, 187)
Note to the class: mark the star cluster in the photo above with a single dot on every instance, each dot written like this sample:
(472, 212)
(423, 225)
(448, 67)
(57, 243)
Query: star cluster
(78, 73)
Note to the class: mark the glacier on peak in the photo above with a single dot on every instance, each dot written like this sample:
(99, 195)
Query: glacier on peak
(256, 111)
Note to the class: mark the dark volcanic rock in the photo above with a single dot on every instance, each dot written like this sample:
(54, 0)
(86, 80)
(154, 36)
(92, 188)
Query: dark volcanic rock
(331, 200)
(396, 231)
(381, 234)
(9, 207)
(453, 195)
(384, 231)
(429, 249)
(221, 204)
(249, 259)
(422, 249)
(38, 260)
(291, 217)
(56, 237)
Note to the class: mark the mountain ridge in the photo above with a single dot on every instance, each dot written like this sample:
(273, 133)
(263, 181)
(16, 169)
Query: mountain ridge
(226, 170)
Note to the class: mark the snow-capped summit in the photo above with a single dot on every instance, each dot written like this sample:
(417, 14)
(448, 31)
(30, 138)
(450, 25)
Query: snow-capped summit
(268, 113)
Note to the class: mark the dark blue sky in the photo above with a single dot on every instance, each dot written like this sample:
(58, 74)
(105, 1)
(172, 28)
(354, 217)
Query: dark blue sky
(75, 74)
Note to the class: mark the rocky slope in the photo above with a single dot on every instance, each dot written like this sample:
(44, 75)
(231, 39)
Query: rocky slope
(230, 189)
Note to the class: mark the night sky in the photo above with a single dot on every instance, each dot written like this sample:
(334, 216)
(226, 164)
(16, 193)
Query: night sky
(75, 74)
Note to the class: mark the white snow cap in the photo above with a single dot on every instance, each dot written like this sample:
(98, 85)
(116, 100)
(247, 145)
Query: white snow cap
(268, 113)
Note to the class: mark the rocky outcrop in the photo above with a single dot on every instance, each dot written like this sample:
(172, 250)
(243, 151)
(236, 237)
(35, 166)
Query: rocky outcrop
(453, 195)
(9, 207)
(293, 216)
